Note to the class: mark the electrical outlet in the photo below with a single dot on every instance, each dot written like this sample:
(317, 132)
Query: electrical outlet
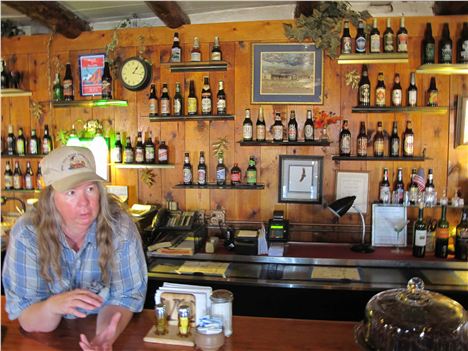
(217, 217)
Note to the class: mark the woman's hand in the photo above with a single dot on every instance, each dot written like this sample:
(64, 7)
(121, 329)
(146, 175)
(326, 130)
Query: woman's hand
(102, 341)
(70, 301)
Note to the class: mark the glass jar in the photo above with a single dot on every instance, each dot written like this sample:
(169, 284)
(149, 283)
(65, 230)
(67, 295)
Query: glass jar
(183, 324)
(161, 319)
(221, 307)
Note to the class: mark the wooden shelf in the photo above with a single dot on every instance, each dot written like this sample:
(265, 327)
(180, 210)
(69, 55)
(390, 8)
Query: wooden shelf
(201, 66)
(90, 103)
(141, 165)
(14, 92)
(417, 206)
(190, 118)
(26, 191)
(374, 158)
(443, 68)
(23, 156)
(359, 59)
(285, 143)
(216, 186)
(390, 109)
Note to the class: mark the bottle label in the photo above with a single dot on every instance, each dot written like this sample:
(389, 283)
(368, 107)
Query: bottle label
(17, 181)
(139, 155)
(221, 106)
(176, 54)
(395, 147)
(165, 107)
(375, 43)
(202, 176)
(292, 132)
(192, 105)
(149, 154)
(380, 96)
(128, 156)
(346, 45)
(162, 155)
(195, 56)
(206, 105)
(409, 145)
(432, 98)
(67, 87)
(117, 155)
(187, 175)
(446, 52)
(20, 146)
(402, 42)
(308, 132)
(28, 182)
(396, 97)
(247, 131)
(413, 194)
(278, 133)
(153, 106)
(442, 233)
(39, 182)
(260, 132)
(361, 44)
(235, 177)
(364, 94)
(8, 181)
(33, 146)
(412, 97)
(384, 194)
(46, 147)
(106, 88)
(215, 56)
(379, 147)
(251, 176)
(177, 107)
(429, 53)
(362, 146)
(388, 42)
(221, 174)
(420, 237)
(345, 145)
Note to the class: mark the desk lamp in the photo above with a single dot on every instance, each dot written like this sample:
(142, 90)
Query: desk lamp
(339, 208)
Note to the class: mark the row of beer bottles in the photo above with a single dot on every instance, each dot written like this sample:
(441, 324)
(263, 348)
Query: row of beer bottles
(143, 152)
(445, 46)
(16, 180)
(195, 53)
(20, 145)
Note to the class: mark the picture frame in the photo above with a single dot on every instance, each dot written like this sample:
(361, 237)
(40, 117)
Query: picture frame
(461, 125)
(287, 73)
(389, 225)
(300, 179)
(91, 68)
(352, 183)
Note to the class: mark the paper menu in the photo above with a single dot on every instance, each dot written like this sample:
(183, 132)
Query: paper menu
(204, 267)
(338, 273)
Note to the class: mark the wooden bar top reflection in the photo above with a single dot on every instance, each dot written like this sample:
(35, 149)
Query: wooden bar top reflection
(250, 334)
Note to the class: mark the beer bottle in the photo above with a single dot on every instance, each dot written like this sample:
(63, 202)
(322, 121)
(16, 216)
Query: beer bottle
(17, 177)
(11, 141)
(380, 91)
(360, 41)
(345, 140)
(362, 140)
(379, 141)
(28, 177)
(428, 46)
(309, 127)
(429, 190)
(462, 45)
(445, 46)
(374, 46)
(57, 89)
(402, 37)
(163, 153)
(47, 145)
(117, 150)
(106, 92)
(396, 91)
(68, 94)
(346, 41)
(178, 102)
(153, 102)
(412, 91)
(206, 104)
(216, 54)
(4, 75)
(192, 107)
(221, 99)
(139, 150)
(176, 50)
(247, 127)
(442, 235)
(251, 172)
(150, 152)
(292, 126)
(388, 38)
(202, 169)
(399, 186)
(195, 54)
(165, 101)
(187, 170)
(39, 180)
(461, 238)
(413, 188)
(420, 234)
(8, 177)
(20, 143)
(278, 128)
(260, 126)
(394, 144)
(220, 172)
(128, 152)
(408, 140)
(432, 93)
(236, 175)
(364, 88)
(33, 145)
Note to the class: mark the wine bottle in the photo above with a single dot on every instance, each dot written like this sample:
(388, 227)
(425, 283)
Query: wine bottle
(442, 235)
(420, 234)
(57, 88)
(461, 238)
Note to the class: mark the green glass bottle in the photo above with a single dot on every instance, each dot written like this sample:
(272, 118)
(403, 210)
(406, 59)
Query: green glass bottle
(420, 234)
(442, 235)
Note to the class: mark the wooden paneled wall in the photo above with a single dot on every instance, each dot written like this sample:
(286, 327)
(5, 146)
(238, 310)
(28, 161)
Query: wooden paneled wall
(434, 132)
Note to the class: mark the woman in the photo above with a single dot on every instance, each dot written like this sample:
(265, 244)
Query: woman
(76, 253)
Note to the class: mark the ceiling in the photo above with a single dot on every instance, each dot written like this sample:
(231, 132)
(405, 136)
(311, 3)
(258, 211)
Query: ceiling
(108, 14)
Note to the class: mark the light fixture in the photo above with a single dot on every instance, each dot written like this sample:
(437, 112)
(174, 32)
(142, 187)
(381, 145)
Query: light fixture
(339, 208)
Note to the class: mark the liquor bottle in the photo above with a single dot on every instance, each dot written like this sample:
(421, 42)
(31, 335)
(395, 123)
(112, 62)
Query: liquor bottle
(17, 177)
(117, 150)
(28, 177)
(165, 101)
(384, 188)
(361, 148)
(150, 150)
(364, 88)
(388, 38)
(432, 93)
(129, 156)
(397, 91)
(4, 76)
(195, 54)
(178, 101)
(408, 140)
(399, 186)
(360, 41)
(379, 141)
(346, 41)
(20, 143)
(33, 145)
(428, 46)
(163, 153)
(57, 88)
(106, 92)
(201, 169)
(309, 127)
(260, 130)
(153, 102)
(345, 140)
(461, 238)
(216, 54)
(442, 235)
(187, 170)
(206, 104)
(221, 99)
(236, 175)
(420, 234)
(462, 45)
(220, 172)
(192, 107)
(247, 127)
(39, 180)
(292, 126)
(413, 188)
(412, 93)
(394, 143)
(278, 128)
(374, 46)
(8, 177)
(176, 50)
(380, 91)
(445, 45)
(139, 150)
(11, 141)
(68, 94)
(402, 37)
(47, 145)
(251, 173)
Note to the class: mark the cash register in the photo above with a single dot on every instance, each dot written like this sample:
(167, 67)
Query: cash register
(278, 228)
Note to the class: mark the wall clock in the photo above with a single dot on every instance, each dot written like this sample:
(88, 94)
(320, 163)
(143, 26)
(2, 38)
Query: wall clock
(135, 73)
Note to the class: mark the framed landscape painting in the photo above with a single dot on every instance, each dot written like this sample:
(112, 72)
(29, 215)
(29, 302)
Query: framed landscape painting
(287, 74)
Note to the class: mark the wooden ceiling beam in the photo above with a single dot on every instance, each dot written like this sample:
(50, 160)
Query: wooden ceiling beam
(53, 15)
(169, 12)
(447, 8)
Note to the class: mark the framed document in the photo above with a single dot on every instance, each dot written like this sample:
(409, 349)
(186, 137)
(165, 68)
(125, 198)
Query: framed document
(389, 225)
(91, 69)
(349, 183)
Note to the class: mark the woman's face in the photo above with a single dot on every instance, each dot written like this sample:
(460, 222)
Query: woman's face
(78, 206)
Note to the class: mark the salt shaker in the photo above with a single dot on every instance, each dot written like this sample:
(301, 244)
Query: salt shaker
(221, 307)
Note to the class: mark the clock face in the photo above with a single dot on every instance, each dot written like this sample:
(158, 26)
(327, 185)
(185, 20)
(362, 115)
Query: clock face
(135, 73)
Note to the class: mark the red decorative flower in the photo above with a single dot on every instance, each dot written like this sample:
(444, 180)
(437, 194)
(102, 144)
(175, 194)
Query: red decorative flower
(322, 118)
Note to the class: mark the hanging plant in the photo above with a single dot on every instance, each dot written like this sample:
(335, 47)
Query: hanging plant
(111, 47)
(352, 78)
(37, 110)
(219, 147)
(324, 26)
(147, 176)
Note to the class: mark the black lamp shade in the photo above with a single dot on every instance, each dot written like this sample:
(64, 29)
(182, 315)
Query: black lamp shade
(341, 206)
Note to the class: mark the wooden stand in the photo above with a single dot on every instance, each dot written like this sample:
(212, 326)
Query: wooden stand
(172, 337)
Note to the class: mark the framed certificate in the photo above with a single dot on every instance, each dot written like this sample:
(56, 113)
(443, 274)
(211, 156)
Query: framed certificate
(389, 225)
(349, 183)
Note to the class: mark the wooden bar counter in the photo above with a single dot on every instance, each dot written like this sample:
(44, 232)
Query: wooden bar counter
(250, 334)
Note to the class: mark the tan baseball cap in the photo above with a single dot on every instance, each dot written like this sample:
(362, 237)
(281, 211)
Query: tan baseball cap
(69, 166)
